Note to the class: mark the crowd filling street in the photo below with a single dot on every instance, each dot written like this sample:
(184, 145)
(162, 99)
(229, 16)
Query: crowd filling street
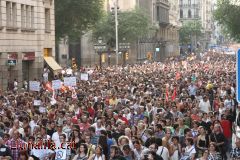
(179, 109)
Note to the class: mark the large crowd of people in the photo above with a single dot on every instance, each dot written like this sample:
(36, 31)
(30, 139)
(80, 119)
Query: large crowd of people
(179, 109)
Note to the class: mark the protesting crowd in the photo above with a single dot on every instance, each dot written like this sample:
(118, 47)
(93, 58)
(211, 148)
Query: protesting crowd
(179, 109)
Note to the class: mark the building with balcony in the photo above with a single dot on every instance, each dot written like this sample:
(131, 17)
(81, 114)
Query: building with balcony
(164, 14)
(198, 10)
(27, 37)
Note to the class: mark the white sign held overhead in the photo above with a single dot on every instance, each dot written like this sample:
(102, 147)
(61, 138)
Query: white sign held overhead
(37, 102)
(34, 86)
(56, 84)
(84, 76)
(70, 81)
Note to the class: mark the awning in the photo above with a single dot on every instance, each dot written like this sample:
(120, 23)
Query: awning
(52, 63)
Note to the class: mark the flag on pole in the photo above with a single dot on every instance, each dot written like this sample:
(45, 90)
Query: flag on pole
(174, 94)
(74, 94)
(166, 94)
(48, 87)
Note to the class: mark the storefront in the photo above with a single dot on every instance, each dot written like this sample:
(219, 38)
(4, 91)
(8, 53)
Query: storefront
(27, 61)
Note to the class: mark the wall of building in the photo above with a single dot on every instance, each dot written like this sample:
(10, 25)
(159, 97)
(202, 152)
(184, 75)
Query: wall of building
(21, 39)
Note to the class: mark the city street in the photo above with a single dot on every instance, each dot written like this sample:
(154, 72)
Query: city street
(119, 80)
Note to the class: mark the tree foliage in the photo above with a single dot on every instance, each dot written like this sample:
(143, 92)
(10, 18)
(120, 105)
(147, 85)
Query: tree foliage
(190, 28)
(131, 26)
(74, 17)
(227, 15)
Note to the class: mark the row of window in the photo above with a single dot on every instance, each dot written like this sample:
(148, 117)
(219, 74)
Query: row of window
(27, 16)
(162, 14)
(189, 2)
(189, 15)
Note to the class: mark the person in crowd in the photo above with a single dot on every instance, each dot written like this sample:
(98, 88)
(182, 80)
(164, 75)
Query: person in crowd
(82, 153)
(144, 102)
(235, 152)
(115, 153)
(98, 155)
(4, 150)
(138, 149)
(190, 150)
(202, 141)
(219, 139)
(213, 154)
(16, 144)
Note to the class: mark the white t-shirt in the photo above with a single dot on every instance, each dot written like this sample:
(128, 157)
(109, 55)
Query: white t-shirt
(204, 106)
(190, 150)
(56, 139)
(41, 153)
(163, 152)
(32, 124)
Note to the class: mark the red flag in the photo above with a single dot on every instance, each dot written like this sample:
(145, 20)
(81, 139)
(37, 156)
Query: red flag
(48, 87)
(74, 94)
(178, 76)
(166, 95)
(174, 94)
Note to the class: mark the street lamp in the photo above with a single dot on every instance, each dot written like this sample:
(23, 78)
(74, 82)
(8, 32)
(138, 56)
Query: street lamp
(99, 48)
(124, 47)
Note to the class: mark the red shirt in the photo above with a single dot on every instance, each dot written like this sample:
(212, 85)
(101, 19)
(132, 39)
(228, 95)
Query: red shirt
(226, 126)
(195, 117)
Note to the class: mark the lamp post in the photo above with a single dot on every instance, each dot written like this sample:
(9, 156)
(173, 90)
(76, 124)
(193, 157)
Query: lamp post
(99, 48)
(124, 47)
(116, 27)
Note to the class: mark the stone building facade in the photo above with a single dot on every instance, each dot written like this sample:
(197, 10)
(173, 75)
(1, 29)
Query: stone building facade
(200, 10)
(27, 36)
(163, 14)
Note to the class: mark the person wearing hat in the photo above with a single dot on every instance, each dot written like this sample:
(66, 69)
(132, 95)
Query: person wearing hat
(4, 150)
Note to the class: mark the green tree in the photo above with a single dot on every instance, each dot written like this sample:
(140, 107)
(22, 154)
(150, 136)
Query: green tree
(227, 15)
(133, 24)
(74, 17)
(188, 30)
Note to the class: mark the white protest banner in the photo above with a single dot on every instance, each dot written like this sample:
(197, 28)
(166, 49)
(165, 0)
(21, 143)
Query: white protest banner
(84, 76)
(37, 102)
(70, 81)
(56, 84)
(42, 109)
(34, 86)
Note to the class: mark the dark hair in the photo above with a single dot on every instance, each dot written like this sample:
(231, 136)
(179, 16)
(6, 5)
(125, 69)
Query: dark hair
(137, 141)
(103, 142)
(116, 149)
(159, 126)
(159, 141)
(85, 147)
(186, 130)
(175, 137)
(154, 154)
(126, 147)
(92, 129)
(24, 153)
(190, 140)
(63, 135)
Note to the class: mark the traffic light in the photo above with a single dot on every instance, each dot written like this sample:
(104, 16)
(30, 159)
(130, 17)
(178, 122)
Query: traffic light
(103, 58)
(74, 65)
(126, 56)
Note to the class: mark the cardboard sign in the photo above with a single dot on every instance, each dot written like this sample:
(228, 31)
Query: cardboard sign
(57, 84)
(42, 110)
(34, 86)
(37, 102)
(70, 81)
(84, 76)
